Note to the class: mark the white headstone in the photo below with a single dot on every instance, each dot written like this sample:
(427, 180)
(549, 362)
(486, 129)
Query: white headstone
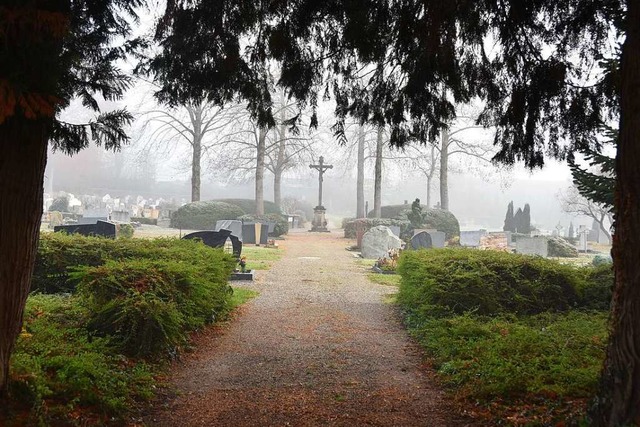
(377, 241)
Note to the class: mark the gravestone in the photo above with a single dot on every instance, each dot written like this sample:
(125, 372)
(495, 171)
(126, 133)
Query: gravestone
(100, 228)
(438, 238)
(421, 240)
(471, 238)
(84, 220)
(377, 241)
(395, 229)
(217, 239)
(228, 224)
(532, 246)
(254, 233)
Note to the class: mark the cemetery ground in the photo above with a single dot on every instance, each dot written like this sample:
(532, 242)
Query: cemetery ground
(322, 342)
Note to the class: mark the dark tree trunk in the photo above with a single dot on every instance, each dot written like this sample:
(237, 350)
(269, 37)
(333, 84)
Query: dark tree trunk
(360, 213)
(618, 399)
(23, 157)
(444, 169)
(377, 191)
(260, 154)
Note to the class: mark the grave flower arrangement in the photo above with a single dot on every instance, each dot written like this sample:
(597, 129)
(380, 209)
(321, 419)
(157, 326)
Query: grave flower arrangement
(389, 262)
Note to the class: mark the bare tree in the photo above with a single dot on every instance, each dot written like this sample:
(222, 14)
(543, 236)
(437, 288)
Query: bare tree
(199, 124)
(574, 203)
(454, 142)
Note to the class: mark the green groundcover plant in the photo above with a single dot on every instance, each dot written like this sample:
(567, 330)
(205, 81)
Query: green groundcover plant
(522, 336)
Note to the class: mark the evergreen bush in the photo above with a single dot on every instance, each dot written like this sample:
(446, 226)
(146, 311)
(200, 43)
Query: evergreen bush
(439, 219)
(249, 205)
(204, 215)
(58, 252)
(147, 306)
(455, 281)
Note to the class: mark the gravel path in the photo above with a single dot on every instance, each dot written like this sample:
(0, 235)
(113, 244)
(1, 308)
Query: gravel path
(318, 347)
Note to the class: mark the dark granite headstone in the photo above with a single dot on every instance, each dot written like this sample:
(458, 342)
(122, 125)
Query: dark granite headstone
(217, 239)
(100, 228)
(421, 240)
(250, 233)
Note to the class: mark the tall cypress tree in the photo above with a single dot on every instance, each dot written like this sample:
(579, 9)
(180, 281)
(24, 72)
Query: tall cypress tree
(509, 221)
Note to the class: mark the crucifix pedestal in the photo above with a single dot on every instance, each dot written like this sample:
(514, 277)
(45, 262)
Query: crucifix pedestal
(319, 222)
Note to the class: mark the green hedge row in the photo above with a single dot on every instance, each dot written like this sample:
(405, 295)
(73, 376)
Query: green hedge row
(204, 215)
(59, 252)
(444, 282)
(147, 307)
(249, 205)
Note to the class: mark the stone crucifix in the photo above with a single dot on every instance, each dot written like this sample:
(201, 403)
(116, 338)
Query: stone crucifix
(321, 167)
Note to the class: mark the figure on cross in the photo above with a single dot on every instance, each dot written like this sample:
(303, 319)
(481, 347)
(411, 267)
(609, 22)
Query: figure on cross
(321, 168)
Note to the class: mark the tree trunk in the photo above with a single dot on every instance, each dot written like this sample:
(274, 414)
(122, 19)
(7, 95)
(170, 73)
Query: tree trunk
(195, 169)
(360, 213)
(444, 166)
(377, 192)
(260, 153)
(23, 158)
(195, 113)
(618, 399)
(430, 175)
(279, 166)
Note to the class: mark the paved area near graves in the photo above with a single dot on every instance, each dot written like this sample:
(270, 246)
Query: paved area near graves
(318, 347)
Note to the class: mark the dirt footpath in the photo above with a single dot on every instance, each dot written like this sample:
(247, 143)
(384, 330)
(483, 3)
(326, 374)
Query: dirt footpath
(318, 347)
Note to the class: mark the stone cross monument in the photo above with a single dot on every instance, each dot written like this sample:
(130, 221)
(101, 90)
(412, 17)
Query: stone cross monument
(319, 222)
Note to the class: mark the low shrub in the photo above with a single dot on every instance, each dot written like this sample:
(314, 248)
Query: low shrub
(148, 307)
(599, 260)
(125, 231)
(204, 215)
(597, 290)
(57, 252)
(454, 281)
(281, 224)
(57, 360)
(439, 219)
(249, 206)
(506, 357)
(350, 225)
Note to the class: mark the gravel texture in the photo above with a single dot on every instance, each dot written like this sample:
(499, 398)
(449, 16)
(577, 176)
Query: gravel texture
(317, 347)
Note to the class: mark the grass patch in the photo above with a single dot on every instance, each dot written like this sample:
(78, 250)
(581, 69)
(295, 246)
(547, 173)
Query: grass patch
(241, 296)
(60, 370)
(385, 279)
(259, 258)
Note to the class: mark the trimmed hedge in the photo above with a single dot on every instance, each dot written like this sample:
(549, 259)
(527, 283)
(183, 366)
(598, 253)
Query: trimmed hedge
(249, 206)
(58, 252)
(147, 307)
(443, 282)
(281, 227)
(204, 215)
(439, 219)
